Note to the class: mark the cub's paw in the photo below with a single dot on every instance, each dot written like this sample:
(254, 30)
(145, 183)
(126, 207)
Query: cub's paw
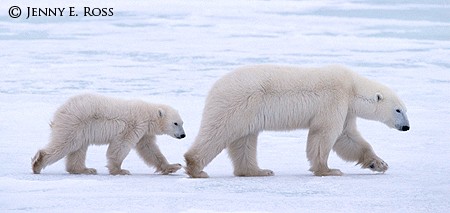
(169, 168)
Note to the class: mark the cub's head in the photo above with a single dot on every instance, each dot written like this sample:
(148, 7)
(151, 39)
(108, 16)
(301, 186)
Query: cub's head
(171, 123)
(382, 105)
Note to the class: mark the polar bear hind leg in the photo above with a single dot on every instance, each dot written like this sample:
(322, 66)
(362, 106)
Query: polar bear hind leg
(54, 151)
(203, 152)
(243, 155)
(318, 148)
(75, 162)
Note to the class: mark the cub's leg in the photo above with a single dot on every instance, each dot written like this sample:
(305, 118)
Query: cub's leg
(75, 162)
(116, 153)
(351, 146)
(119, 148)
(57, 149)
(149, 151)
(243, 155)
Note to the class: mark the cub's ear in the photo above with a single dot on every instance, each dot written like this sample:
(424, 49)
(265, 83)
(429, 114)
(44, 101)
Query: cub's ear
(379, 97)
(161, 113)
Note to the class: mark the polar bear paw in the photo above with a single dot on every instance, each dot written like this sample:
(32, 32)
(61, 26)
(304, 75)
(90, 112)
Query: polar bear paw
(200, 174)
(86, 171)
(120, 172)
(169, 168)
(259, 172)
(328, 172)
(266, 172)
(376, 165)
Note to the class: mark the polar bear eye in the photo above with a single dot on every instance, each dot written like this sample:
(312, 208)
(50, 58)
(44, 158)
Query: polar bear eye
(176, 124)
(398, 110)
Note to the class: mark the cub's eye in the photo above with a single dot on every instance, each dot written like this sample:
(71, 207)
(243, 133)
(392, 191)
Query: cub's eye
(397, 110)
(176, 124)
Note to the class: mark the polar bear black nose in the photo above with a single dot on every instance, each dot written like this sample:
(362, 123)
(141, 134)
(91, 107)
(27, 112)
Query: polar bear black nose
(405, 128)
(182, 136)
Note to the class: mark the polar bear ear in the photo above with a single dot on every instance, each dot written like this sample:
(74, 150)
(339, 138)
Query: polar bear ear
(161, 113)
(379, 97)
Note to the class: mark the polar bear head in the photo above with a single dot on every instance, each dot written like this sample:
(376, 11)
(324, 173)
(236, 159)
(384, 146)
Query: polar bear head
(171, 122)
(390, 110)
(375, 101)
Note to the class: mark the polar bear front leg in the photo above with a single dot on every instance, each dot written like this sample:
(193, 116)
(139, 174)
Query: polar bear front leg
(318, 147)
(351, 146)
(149, 151)
(356, 149)
(243, 154)
(116, 153)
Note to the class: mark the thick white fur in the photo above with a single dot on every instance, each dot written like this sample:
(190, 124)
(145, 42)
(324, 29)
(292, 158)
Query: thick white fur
(93, 119)
(326, 100)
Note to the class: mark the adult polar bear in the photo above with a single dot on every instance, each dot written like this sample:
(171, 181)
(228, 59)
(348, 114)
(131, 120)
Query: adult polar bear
(326, 100)
(94, 119)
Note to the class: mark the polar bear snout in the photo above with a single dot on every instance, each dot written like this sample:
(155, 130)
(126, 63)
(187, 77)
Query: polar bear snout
(401, 120)
(180, 136)
(179, 132)
(175, 129)
(402, 127)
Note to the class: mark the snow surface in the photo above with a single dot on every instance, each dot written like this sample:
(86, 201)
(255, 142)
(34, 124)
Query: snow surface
(173, 51)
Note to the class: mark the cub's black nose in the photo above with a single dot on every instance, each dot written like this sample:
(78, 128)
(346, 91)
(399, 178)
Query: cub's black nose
(405, 128)
(182, 136)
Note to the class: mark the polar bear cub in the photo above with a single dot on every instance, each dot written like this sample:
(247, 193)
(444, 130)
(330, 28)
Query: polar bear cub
(94, 119)
(324, 100)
